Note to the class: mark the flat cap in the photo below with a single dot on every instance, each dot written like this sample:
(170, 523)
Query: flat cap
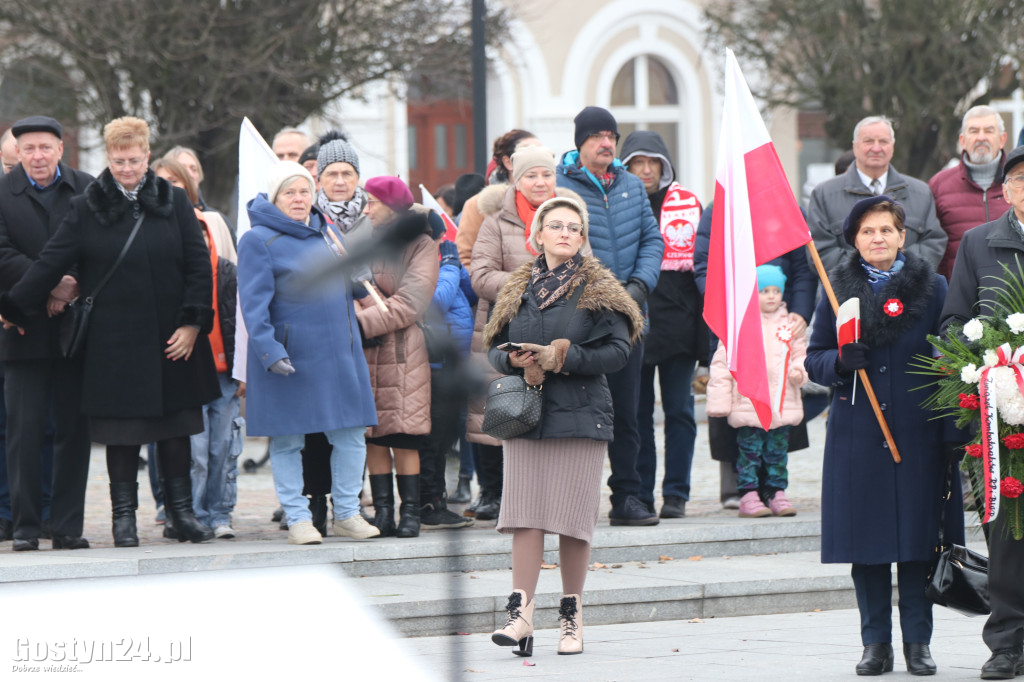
(37, 124)
(1014, 158)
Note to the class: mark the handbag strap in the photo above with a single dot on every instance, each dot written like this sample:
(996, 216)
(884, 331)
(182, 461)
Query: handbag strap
(942, 508)
(120, 257)
(566, 311)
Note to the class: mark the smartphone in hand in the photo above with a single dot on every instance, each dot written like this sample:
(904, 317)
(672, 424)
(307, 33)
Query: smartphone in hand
(509, 347)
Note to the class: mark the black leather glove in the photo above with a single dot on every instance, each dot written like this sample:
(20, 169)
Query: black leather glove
(853, 356)
(637, 290)
(449, 253)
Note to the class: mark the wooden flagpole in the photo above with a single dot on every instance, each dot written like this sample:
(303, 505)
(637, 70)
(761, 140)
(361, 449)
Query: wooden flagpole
(860, 372)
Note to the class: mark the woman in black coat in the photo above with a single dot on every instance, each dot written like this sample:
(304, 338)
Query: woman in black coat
(552, 479)
(148, 368)
(876, 512)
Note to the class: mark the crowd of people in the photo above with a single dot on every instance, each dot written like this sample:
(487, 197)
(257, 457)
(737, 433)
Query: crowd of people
(370, 337)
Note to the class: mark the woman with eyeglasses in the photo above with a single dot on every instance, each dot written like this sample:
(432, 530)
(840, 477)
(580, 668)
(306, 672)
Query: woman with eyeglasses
(503, 245)
(570, 322)
(148, 367)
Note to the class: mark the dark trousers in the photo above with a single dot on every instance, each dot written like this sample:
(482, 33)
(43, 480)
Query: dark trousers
(31, 389)
(674, 377)
(316, 465)
(490, 465)
(47, 463)
(446, 406)
(873, 585)
(624, 450)
(1004, 628)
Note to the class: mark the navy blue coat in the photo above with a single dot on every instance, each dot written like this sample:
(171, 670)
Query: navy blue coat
(873, 510)
(316, 330)
(622, 231)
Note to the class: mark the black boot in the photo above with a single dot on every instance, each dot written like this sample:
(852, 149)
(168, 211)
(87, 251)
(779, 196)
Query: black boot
(383, 503)
(877, 659)
(409, 490)
(463, 492)
(178, 502)
(124, 500)
(919, 658)
(318, 508)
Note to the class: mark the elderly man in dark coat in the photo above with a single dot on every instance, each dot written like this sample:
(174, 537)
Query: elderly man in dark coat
(34, 198)
(977, 269)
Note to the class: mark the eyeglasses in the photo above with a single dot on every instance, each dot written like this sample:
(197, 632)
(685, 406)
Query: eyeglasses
(1017, 181)
(126, 163)
(614, 137)
(574, 228)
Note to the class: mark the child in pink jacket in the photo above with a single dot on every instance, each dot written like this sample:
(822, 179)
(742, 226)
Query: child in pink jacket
(760, 449)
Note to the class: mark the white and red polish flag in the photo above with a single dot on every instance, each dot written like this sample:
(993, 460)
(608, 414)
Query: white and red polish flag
(450, 229)
(755, 219)
(848, 331)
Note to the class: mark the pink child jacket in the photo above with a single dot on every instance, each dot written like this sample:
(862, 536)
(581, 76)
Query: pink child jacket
(723, 400)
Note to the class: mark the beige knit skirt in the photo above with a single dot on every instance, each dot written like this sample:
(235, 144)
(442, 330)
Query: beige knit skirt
(553, 485)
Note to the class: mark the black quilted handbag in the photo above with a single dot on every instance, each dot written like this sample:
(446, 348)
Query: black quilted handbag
(513, 407)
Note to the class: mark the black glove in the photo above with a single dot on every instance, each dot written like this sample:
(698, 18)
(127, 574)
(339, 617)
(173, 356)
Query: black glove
(449, 253)
(853, 356)
(637, 290)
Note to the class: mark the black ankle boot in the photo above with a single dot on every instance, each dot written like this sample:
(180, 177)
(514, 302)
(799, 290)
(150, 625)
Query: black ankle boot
(409, 490)
(383, 492)
(919, 659)
(877, 659)
(124, 500)
(318, 508)
(463, 493)
(178, 503)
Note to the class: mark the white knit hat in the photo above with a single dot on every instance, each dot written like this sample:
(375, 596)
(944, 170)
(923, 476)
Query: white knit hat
(282, 173)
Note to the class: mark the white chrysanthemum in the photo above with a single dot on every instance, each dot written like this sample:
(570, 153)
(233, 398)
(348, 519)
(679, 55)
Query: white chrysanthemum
(1016, 322)
(1009, 401)
(970, 374)
(990, 358)
(974, 329)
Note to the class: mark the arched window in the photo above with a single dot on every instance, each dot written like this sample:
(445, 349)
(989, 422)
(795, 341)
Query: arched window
(645, 97)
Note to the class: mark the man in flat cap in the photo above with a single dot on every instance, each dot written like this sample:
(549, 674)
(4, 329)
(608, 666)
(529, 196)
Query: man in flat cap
(977, 273)
(34, 198)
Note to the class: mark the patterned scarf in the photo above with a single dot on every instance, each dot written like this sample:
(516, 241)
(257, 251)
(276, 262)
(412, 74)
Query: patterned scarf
(130, 194)
(877, 278)
(550, 285)
(343, 213)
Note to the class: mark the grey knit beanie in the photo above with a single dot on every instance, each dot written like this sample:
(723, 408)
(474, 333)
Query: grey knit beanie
(334, 151)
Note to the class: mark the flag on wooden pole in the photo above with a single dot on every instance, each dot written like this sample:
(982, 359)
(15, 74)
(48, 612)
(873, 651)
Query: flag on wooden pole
(755, 219)
(450, 229)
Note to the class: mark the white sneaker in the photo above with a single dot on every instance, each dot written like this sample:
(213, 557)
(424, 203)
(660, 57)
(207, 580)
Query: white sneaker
(731, 502)
(355, 527)
(303, 533)
(224, 531)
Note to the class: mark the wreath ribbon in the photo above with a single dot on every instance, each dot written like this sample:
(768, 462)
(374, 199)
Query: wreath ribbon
(1005, 357)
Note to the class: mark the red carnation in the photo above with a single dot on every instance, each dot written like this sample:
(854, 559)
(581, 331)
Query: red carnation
(1015, 441)
(1011, 487)
(973, 450)
(969, 401)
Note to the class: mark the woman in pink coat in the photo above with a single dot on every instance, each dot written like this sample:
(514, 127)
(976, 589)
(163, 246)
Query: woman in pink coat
(784, 357)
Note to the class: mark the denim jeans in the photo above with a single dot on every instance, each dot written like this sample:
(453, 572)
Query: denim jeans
(215, 457)
(674, 376)
(348, 455)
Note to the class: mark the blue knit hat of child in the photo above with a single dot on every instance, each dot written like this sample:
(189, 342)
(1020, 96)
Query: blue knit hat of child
(771, 276)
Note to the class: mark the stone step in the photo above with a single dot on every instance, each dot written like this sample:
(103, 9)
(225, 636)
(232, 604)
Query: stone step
(473, 549)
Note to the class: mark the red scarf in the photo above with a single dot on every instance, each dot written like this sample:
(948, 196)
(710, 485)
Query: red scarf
(526, 211)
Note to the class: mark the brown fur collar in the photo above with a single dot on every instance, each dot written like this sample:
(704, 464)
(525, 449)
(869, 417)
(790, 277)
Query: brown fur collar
(602, 293)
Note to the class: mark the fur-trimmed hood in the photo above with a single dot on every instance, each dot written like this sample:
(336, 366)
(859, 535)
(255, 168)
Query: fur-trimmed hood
(911, 286)
(491, 199)
(109, 204)
(603, 293)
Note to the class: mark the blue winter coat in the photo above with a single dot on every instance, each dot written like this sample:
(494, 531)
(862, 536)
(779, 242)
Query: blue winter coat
(316, 330)
(450, 304)
(873, 510)
(623, 232)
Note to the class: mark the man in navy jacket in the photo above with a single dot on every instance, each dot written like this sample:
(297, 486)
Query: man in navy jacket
(625, 236)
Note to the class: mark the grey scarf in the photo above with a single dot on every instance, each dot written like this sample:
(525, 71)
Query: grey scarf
(343, 213)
